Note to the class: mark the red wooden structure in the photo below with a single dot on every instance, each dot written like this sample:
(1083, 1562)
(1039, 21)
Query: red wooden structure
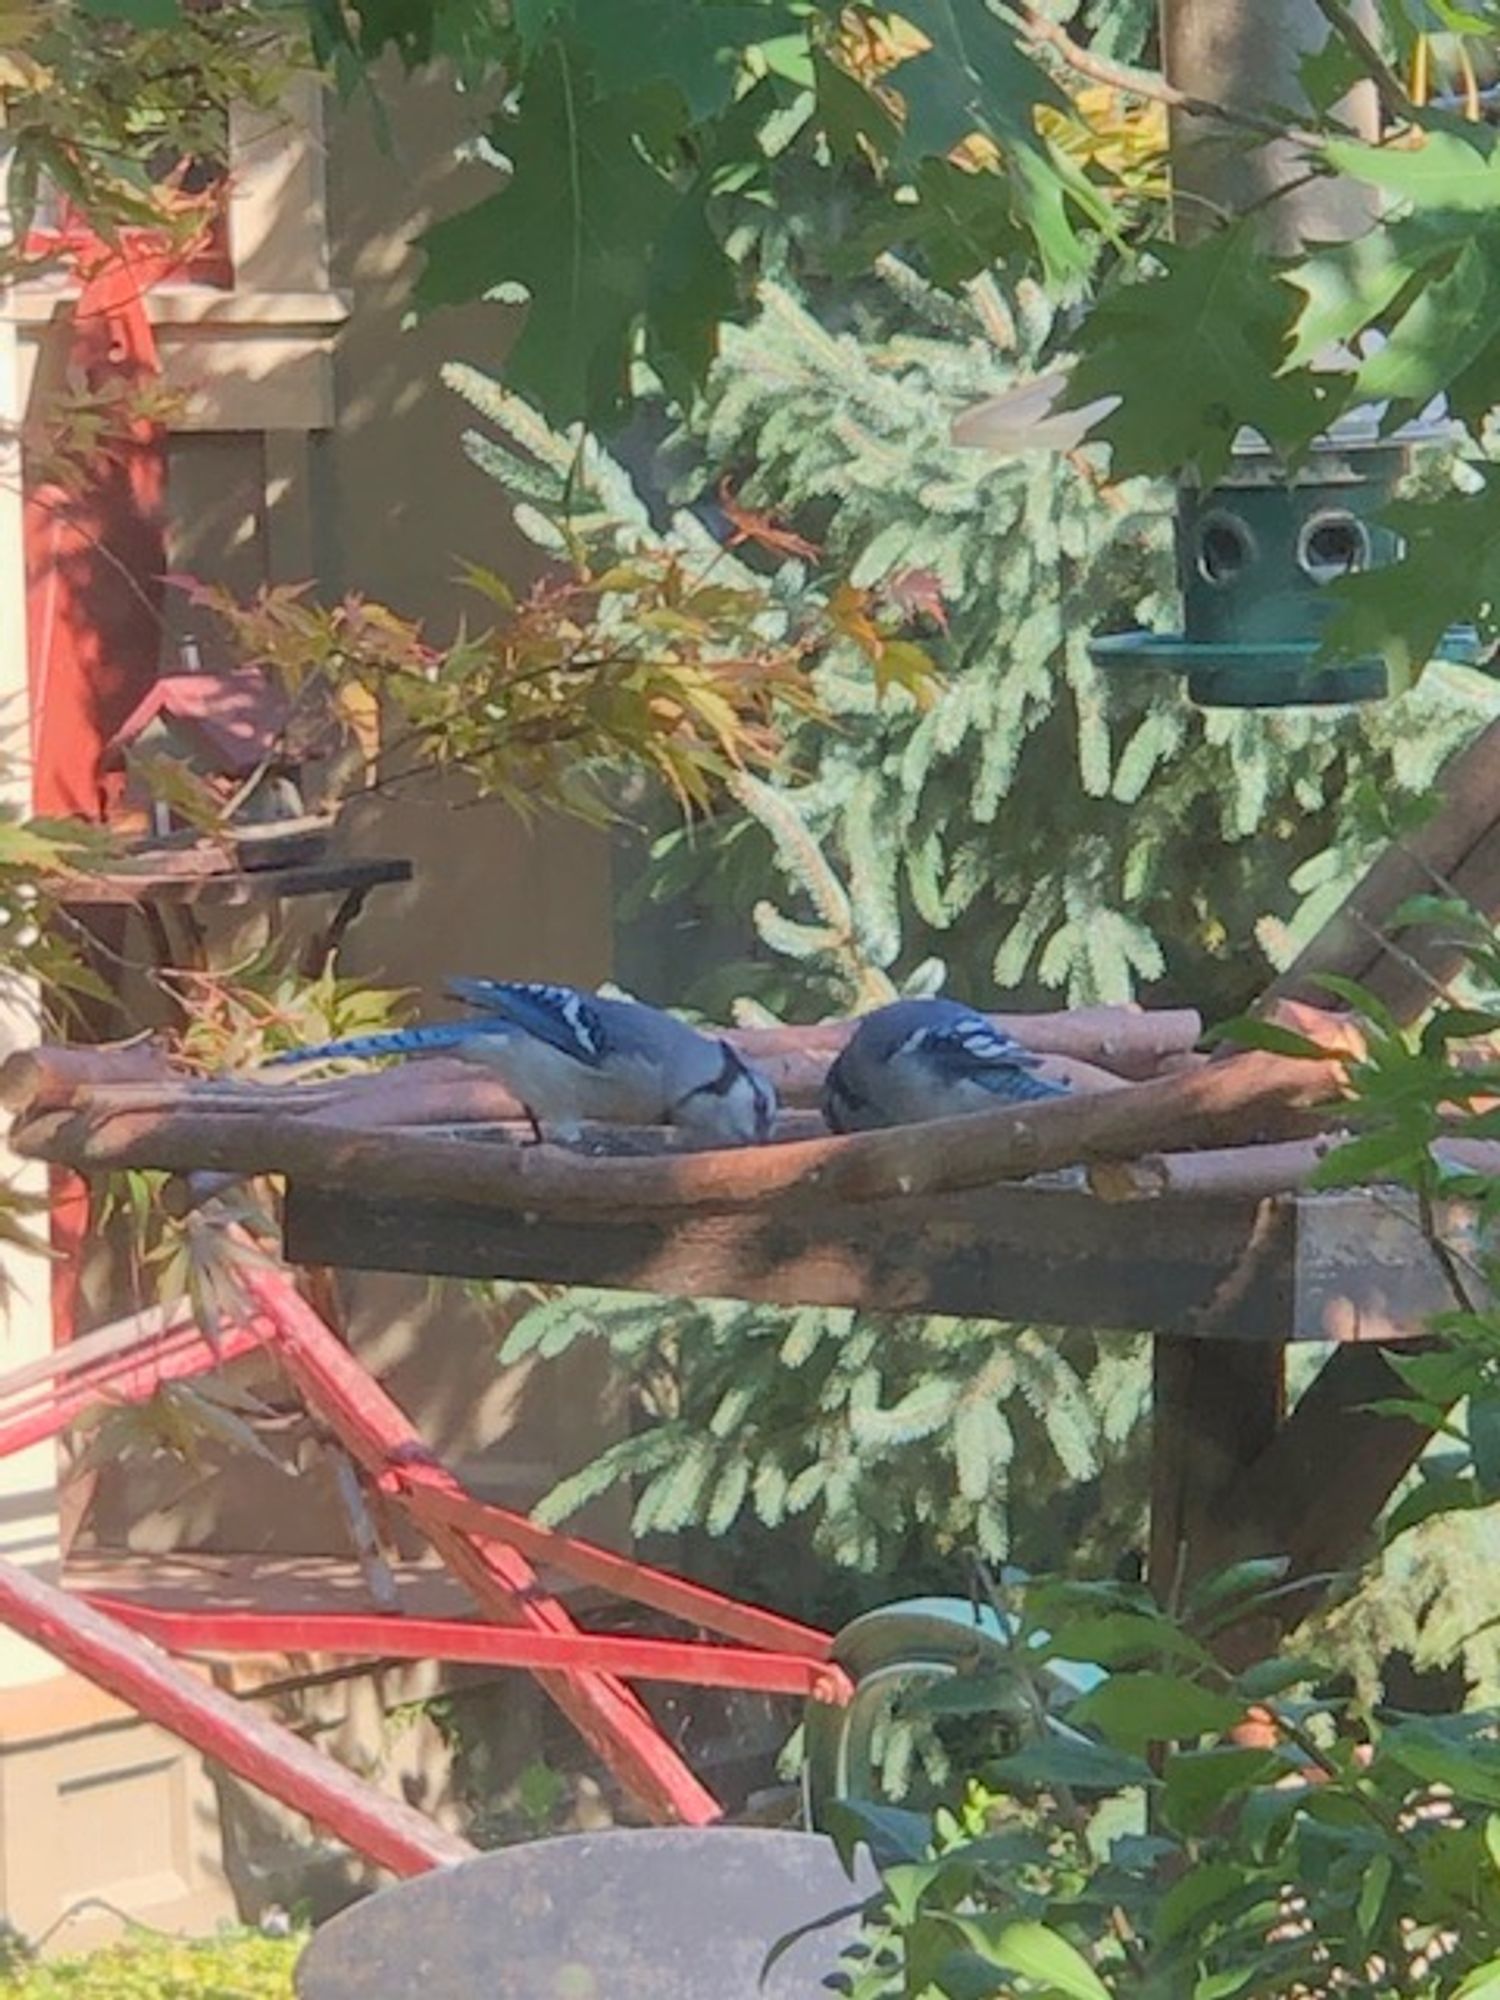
(95, 555)
(490, 1549)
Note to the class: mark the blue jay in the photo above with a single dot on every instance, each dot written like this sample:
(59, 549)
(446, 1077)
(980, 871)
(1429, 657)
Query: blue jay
(919, 1059)
(570, 1056)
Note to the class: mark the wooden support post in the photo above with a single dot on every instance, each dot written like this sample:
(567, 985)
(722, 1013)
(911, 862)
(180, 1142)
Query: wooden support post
(1216, 1406)
(1317, 1489)
(1233, 1480)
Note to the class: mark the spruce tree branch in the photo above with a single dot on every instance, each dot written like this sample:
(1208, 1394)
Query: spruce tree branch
(1041, 32)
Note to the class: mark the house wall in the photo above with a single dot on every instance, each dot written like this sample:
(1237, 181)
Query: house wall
(316, 442)
(364, 487)
(28, 1480)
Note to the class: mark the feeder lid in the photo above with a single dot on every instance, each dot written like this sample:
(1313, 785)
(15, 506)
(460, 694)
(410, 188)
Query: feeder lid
(1359, 429)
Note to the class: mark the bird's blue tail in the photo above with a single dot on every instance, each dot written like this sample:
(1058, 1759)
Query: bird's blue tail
(391, 1042)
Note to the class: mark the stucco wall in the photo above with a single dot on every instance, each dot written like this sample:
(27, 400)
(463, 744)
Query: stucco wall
(386, 504)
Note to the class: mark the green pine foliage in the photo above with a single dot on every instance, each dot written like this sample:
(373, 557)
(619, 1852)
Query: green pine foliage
(895, 1441)
(1428, 1597)
(1052, 832)
(1037, 829)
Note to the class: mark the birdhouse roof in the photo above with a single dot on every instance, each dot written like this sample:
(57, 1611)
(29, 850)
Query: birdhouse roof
(238, 716)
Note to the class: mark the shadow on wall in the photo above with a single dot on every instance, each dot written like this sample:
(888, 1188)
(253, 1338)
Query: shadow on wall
(387, 505)
(409, 502)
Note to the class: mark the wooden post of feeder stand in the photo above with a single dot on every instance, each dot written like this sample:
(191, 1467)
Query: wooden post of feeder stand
(1217, 1404)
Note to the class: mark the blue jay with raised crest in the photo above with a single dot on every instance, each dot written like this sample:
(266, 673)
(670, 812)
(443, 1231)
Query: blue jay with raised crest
(920, 1059)
(571, 1057)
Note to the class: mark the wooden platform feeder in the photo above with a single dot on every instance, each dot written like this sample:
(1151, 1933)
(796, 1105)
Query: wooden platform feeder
(1166, 1195)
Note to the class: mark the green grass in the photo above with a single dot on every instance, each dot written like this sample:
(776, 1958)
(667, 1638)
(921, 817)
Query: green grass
(239, 1966)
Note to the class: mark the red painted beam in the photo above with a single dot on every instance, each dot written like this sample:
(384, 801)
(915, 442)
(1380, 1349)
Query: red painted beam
(175, 1355)
(635, 1582)
(376, 1432)
(374, 1635)
(385, 1829)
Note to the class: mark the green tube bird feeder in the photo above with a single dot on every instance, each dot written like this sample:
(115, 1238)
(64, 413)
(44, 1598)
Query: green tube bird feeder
(1256, 555)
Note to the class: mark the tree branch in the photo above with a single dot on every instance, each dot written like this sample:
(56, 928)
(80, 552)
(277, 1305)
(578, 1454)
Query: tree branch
(1149, 84)
(1394, 101)
(1245, 1097)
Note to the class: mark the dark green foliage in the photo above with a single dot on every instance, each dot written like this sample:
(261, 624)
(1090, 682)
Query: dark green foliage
(1210, 335)
(1045, 830)
(1342, 1852)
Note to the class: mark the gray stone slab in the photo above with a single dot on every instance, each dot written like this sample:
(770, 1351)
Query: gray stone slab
(664, 1913)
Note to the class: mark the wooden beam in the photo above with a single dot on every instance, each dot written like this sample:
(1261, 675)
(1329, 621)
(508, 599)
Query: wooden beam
(1230, 1481)
(1458, 844)
(1214, 1411)
(1314, 1491)
(1210, 1267)
(1055, 1256)
(265, 1754)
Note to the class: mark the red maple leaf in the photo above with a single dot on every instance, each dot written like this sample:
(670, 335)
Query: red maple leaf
(916, 593)
(750, 526)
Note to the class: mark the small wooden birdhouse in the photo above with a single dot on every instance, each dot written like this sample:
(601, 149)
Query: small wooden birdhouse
(231, 749)
(1256, 555)
(227, 729)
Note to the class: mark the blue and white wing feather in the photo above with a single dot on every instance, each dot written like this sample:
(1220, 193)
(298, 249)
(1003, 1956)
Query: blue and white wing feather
(560, 1016)
(388, 1042)
(972, 1050)
(920, 1059)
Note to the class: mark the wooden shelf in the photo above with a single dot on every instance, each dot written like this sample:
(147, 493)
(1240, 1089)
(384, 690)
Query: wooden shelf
(1292, 1267)
(231, 887)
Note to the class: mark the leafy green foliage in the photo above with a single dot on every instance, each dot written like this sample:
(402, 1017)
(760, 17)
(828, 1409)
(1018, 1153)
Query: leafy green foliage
(100, 99)
(1208, 336)
(615, 227)
(645, 141)
(237, 1966)
(1041, 827)
(1337, 1850)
